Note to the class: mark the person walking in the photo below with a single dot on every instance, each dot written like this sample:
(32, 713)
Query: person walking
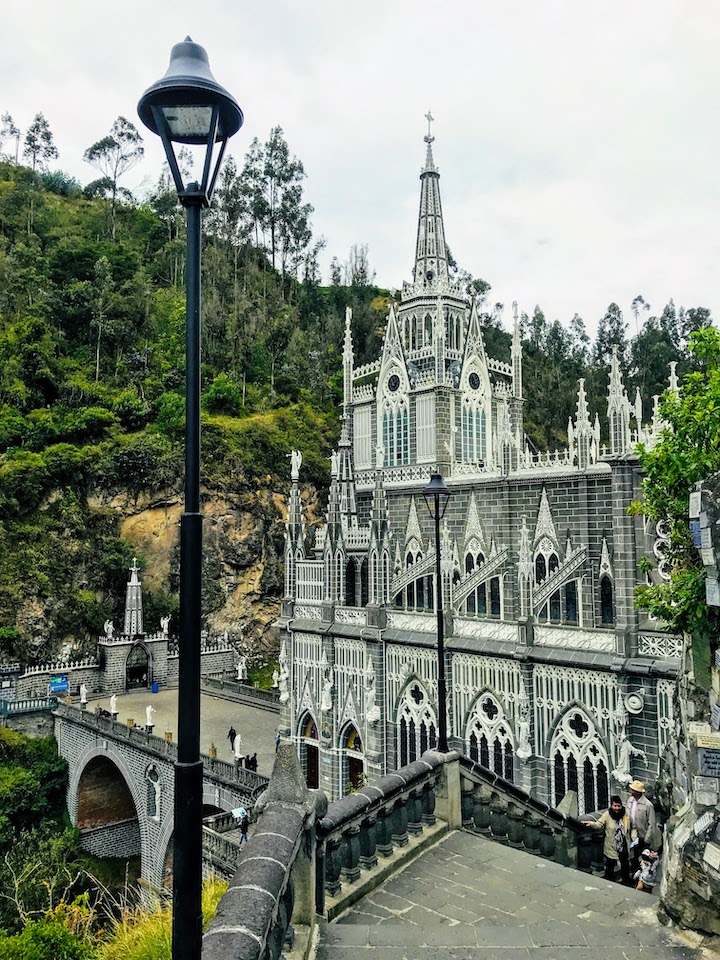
(232, 733)
(619, 833)
(642, 818)
(253, 762)
(243, 822)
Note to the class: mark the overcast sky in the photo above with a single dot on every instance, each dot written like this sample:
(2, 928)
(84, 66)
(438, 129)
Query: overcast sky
(577, 142)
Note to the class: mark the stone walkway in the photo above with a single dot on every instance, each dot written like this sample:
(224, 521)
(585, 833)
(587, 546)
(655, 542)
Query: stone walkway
(469, 897)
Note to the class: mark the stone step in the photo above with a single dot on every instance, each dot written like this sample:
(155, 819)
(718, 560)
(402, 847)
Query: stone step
(548, 941)
(467, 897)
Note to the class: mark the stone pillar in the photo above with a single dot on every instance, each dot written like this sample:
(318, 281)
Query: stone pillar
(448, 795)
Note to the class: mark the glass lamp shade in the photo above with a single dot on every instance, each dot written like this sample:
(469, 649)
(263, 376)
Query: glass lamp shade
(436, 488)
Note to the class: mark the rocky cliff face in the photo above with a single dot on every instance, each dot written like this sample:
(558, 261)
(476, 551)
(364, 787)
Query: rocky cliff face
(243, 542)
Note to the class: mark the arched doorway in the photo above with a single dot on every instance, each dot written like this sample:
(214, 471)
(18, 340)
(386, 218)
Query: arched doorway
(353, 761)
(310, 751)
(137, 668)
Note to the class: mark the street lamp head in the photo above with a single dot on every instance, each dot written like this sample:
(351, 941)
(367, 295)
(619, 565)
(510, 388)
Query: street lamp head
(436, 495)
(189, 107)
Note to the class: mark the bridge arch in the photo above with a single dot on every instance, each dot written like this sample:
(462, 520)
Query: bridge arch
(105, 800)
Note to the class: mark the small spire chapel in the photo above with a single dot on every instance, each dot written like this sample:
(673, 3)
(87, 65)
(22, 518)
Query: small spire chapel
(555, 680)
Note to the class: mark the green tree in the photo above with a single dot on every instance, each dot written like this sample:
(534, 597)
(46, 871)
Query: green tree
(113, 156)
(8, 131)
(688, 452)
(273, 181)
(102, 299)
(39, 144)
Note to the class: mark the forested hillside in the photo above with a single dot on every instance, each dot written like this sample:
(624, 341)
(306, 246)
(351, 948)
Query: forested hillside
(92, 381)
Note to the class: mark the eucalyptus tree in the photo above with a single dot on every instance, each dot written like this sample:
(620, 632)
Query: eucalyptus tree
(113, 156)
(39, 143)
(9, 131)
(276, 215)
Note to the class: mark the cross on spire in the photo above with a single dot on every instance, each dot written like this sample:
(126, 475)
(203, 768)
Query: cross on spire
(429, 138)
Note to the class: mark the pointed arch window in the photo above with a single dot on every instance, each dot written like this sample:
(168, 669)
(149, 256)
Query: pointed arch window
(416, 724)
(579, 762)
(474, 430)
(395, 432)
(607, 607)
(351, 584)
(489, 737)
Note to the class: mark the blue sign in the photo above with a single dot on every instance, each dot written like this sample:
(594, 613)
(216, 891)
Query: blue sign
(695, 531)
(59, 683)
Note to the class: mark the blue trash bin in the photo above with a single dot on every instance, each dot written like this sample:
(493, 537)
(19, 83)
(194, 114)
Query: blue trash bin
(155, 687)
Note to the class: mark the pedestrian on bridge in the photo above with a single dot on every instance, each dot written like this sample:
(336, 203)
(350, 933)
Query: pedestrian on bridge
(232, 733)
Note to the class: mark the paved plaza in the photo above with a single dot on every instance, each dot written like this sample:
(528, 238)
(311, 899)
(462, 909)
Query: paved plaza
(469, 897)
(257, 726)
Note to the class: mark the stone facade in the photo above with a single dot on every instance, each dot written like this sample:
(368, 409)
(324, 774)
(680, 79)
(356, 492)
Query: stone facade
(554, 679)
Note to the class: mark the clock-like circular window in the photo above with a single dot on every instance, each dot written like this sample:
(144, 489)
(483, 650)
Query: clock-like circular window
(394, 383)
(474, 381)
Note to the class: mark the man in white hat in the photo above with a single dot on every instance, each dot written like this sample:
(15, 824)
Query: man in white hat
(642, 817)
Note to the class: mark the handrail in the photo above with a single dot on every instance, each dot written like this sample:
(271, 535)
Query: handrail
(500, 810)
(374, 820)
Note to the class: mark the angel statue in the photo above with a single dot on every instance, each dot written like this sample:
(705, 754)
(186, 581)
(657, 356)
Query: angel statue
(626, 751)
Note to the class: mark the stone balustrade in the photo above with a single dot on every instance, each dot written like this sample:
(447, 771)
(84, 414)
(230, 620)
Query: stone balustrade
(10, 708)
(497, 809)
(269, 903)
(219, 852)
(361, 828)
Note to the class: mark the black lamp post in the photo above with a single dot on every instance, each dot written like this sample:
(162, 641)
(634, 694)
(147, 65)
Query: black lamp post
(188, 106)
(437, 496)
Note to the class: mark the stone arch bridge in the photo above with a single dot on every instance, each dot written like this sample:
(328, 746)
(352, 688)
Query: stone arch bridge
(121, 789)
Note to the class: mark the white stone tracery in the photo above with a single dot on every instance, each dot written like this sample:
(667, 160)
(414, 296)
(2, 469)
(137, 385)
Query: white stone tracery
(416, 723)
(489, 738)
(578, 761)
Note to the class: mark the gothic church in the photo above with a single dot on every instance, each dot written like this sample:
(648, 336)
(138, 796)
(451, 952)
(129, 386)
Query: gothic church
(554, 679)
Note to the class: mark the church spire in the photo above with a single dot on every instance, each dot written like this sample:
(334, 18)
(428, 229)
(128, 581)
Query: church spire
(133, 603)
(431, 265)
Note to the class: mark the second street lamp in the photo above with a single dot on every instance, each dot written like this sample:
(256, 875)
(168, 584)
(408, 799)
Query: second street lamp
(189, 107)
(437, 496)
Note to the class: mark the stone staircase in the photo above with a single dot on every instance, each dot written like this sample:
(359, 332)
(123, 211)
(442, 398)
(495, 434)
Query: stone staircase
(468, 897)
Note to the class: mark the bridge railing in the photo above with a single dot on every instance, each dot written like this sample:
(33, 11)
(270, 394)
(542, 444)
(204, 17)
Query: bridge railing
(223, 682)
(374, 820)
(251, 781)
(501, 811)
(220, 851)
(14, 708)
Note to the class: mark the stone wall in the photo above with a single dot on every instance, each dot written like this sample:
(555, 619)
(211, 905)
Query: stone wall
(120, 839)
(35, 683)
